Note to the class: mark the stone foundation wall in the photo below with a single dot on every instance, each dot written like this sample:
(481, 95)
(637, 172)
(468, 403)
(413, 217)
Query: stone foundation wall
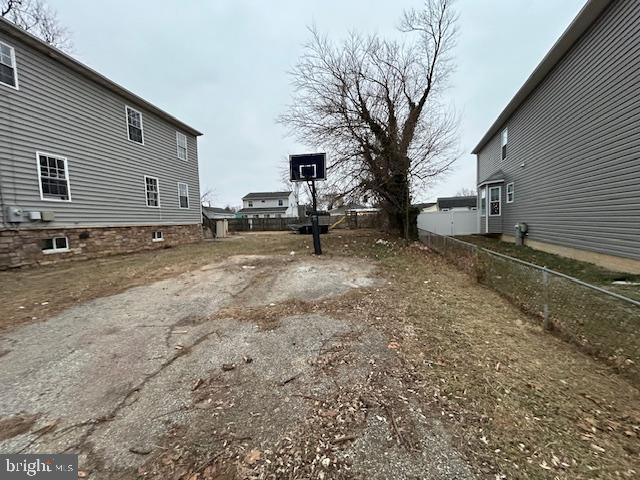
(20, 247)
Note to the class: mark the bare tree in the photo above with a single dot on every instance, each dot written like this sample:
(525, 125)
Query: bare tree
(466, 192)
(207, 197)
(36, 17)
(376, 106)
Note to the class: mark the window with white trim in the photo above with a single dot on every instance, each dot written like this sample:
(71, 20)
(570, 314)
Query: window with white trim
(504, 141)
(250, 203)
(280, 202)
(134, 125)
(483, 201)
(157, 236)
(181, 142)
(510, 192)
(8, 70)
(183, 195)
(53, 177)
(494, 201)
(55, 245)
(152, 191)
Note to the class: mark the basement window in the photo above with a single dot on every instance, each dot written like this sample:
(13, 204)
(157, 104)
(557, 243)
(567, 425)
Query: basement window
(8, 70)
(55, 245)
(134, 125)
(157, 236)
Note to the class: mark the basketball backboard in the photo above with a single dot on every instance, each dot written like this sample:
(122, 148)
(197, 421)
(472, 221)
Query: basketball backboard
(307, 167)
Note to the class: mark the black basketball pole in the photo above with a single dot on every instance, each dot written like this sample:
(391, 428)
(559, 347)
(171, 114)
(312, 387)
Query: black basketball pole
(315, 223)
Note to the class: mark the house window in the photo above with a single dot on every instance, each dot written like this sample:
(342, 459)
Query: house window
(55, 245)
(54, 178)
(8, 70)
(256, 216)
(157, 236)
(505, 139)
(134, 124)
(278, 215)
(510, 192)
(280, 203)
(181, 142)
(250, 203)
(267, 215)
(183, 195)
(152, 191)
(483, 201)
(494, 201)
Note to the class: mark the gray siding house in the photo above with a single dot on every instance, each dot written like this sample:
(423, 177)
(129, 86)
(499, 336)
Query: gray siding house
(87, 168)
(564, 155)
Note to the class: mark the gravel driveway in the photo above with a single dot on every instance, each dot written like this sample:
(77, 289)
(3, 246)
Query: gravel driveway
(223, 372)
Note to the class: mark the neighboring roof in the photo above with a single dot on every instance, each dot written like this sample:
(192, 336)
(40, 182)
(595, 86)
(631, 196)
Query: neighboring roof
(213, 212)
(263, 210)
(496, 177)
(18, 33)
(457, 202)
(265, 195)
(217, 210)
(422, 206)
(585, 18)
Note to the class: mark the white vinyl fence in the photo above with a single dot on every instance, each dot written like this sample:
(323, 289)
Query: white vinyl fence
(449, 223)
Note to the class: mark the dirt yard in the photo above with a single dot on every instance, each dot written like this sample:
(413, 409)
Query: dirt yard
(250, 358)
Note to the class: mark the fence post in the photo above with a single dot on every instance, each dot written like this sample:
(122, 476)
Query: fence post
(545, 296)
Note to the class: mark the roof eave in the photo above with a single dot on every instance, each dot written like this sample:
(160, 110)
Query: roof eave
(585, 18)
(58, 55)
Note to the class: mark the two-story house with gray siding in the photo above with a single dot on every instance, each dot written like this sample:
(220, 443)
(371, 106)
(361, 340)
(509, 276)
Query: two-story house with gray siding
(87, 168)
(564, 155)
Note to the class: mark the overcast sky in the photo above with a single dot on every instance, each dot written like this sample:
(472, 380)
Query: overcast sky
(221, 66)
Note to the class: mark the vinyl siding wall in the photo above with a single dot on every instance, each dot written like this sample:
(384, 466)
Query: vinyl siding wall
(574, 144)
(60, 112)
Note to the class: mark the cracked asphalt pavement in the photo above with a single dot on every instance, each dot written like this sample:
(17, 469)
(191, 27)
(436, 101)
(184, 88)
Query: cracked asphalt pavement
(115, 378)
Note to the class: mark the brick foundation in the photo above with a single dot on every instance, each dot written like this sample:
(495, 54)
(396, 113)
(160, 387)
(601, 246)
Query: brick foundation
(24, 247)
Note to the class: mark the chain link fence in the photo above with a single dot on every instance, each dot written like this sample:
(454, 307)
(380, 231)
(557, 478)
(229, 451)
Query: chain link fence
(603, 323)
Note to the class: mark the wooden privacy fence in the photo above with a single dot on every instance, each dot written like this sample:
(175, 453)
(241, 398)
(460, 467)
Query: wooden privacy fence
(351, 220)
(261, 224)
(600, 321)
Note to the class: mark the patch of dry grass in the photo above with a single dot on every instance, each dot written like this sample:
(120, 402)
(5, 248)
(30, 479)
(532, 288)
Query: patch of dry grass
(520, 402)
(34, 294)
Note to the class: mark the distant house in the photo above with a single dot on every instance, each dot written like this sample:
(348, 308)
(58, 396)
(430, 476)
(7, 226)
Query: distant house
(427, 207)
(269, 205)
(87, 168)
(216, 213)
(457, 204)
(353, 208)
(564, 155)
(449, 204)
